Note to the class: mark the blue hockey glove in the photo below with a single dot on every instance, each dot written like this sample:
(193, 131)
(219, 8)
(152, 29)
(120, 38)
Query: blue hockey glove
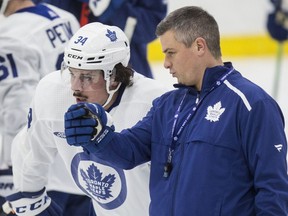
(277, 22)
(31, 203)
(277, 25)
(88, 125)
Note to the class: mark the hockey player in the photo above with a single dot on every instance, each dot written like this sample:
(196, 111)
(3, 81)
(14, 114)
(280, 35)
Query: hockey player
(137, 18)
(277, 22)
(217, 144)
(32, 41)
(96, 60)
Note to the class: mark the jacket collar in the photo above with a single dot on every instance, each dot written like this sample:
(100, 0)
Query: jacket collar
(211, 76)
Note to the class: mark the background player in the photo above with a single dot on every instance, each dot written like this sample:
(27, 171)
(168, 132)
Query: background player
(137, 18)
(32, 42)
(97, 58)
(277, 22)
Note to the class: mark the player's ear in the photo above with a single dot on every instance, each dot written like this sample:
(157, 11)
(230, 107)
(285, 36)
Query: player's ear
(113, 82)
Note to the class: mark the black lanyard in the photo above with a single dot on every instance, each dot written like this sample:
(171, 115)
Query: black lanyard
(175, 137)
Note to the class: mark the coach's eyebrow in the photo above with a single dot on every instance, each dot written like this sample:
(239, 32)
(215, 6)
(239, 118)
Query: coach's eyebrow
(167, 50)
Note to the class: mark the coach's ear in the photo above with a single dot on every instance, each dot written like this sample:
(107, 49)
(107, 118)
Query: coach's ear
(199, 46)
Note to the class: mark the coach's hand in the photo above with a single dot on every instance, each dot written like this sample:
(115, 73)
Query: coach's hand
(88, 125)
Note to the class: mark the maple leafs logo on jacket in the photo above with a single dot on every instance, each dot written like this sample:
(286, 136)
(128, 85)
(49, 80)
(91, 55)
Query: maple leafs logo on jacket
(214, 113)
(95, 184)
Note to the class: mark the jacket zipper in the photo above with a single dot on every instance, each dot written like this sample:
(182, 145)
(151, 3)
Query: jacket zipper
(177, 179)
(180, 163)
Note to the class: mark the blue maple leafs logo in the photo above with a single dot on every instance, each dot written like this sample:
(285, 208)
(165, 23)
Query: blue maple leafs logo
(111, 35)
(99, 187)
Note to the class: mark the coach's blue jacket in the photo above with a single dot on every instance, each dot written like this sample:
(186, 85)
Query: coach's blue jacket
(230, 155)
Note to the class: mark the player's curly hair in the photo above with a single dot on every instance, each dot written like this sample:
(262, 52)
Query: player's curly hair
(124, 74)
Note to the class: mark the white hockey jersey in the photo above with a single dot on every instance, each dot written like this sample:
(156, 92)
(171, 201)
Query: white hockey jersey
(32, 42)
(114, 192)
